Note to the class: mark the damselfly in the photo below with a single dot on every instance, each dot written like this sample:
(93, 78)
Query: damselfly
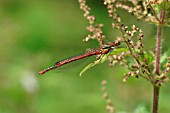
(102, 50)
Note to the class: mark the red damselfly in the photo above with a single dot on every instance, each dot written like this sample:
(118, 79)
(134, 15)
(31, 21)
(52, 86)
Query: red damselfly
(102, 50)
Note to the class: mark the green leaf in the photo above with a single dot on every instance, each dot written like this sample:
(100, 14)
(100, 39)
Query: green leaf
(149, 57)
(89, 66)
(146, 57)
(163, 57)
(165, 5)
(141, 109)
(118, 51)
(103, 58)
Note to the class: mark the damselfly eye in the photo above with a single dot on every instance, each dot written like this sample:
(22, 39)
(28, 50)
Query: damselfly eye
(116, 43)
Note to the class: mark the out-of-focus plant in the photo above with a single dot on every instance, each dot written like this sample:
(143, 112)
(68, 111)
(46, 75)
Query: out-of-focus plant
(141, 63)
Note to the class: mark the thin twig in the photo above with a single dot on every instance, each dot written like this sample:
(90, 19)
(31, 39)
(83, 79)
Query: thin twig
(136, 59)
(154, 13)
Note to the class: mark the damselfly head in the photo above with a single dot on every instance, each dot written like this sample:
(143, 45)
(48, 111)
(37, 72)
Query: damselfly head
(111, 45)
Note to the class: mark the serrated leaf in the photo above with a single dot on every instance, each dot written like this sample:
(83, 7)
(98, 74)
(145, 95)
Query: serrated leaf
(165, 5)
(147, 57)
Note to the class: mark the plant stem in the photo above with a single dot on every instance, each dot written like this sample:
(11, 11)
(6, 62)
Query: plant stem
(157, 62)
(158, 49)
(157, 68)
(155, 99)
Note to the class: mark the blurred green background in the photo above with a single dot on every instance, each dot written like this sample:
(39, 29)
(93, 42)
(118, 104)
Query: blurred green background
(34, 34)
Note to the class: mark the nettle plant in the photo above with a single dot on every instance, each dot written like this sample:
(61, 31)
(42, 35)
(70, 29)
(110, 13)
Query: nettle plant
(131, 54)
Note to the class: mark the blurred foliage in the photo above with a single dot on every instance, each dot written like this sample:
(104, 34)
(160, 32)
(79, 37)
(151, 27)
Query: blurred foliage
(36, 33)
